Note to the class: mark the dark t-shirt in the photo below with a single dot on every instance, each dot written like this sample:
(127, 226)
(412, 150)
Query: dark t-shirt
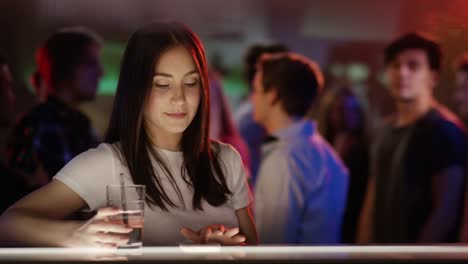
(405, 160)
(357, 161)
(50, 135)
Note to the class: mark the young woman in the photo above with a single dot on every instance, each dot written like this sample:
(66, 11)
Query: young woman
(158, 137)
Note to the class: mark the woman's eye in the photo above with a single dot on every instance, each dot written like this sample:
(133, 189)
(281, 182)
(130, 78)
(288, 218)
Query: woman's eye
(161, 85)
(191, 83)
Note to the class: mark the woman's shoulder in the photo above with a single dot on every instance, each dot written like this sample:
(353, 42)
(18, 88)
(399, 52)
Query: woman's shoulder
(102, 155)
(88, 173)
(235, 174)
(229, 157)
(103, 150)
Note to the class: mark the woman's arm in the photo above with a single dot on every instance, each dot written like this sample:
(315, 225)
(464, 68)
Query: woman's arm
(37, 220)
(247, 226)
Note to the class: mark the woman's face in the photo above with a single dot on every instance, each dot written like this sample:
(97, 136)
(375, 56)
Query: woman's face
(175, 94)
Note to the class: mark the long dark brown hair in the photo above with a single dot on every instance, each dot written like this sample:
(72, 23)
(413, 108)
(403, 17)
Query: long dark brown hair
(327, 125)
(201, 167)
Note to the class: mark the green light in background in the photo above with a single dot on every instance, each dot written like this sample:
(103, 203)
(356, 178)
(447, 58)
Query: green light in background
(234, 86)
(233, 83)
(112, 53)
(28, 72)
(357, 72)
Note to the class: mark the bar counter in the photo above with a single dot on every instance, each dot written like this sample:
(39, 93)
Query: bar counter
(246, 254)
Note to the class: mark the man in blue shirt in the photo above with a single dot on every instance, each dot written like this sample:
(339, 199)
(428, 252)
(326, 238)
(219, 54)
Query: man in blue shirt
(253, 133)
(301, 188)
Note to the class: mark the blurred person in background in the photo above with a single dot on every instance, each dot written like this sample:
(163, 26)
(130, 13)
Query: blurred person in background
(461, 102)
(300, 194)
(7, 97)
(251, 132)
(415, 190)
(55, 131)
(12, 186)
(344, 125)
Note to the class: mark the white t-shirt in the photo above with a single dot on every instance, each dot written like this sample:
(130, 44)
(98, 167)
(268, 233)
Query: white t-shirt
(90, 172)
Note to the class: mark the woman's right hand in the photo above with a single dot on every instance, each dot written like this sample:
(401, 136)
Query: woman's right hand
(215, 233)
(99, 231)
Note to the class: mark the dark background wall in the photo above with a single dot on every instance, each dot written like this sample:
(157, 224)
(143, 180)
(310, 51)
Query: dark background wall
(345, 37)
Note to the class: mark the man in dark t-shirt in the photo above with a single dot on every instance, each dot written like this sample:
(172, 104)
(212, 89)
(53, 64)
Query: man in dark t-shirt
(55, 131)
(405, 162)
(415, 193)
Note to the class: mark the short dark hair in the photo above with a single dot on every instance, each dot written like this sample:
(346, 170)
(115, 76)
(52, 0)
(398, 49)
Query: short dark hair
(253, 54)
(462, 62)
(297, 79)
(62, 52)
(415, 40)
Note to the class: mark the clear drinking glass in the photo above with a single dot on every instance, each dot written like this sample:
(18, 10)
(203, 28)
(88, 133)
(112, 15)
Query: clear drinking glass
(130, 199)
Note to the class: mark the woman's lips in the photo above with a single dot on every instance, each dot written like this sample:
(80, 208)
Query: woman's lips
(176, 115)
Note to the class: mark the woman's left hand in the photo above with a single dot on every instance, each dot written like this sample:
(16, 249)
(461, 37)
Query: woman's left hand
(216, 233)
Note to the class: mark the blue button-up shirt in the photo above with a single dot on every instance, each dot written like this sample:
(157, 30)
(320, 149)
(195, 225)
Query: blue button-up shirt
(301, 189)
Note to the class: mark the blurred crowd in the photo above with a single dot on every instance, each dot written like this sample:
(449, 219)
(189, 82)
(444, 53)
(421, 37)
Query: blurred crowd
(319, 170)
